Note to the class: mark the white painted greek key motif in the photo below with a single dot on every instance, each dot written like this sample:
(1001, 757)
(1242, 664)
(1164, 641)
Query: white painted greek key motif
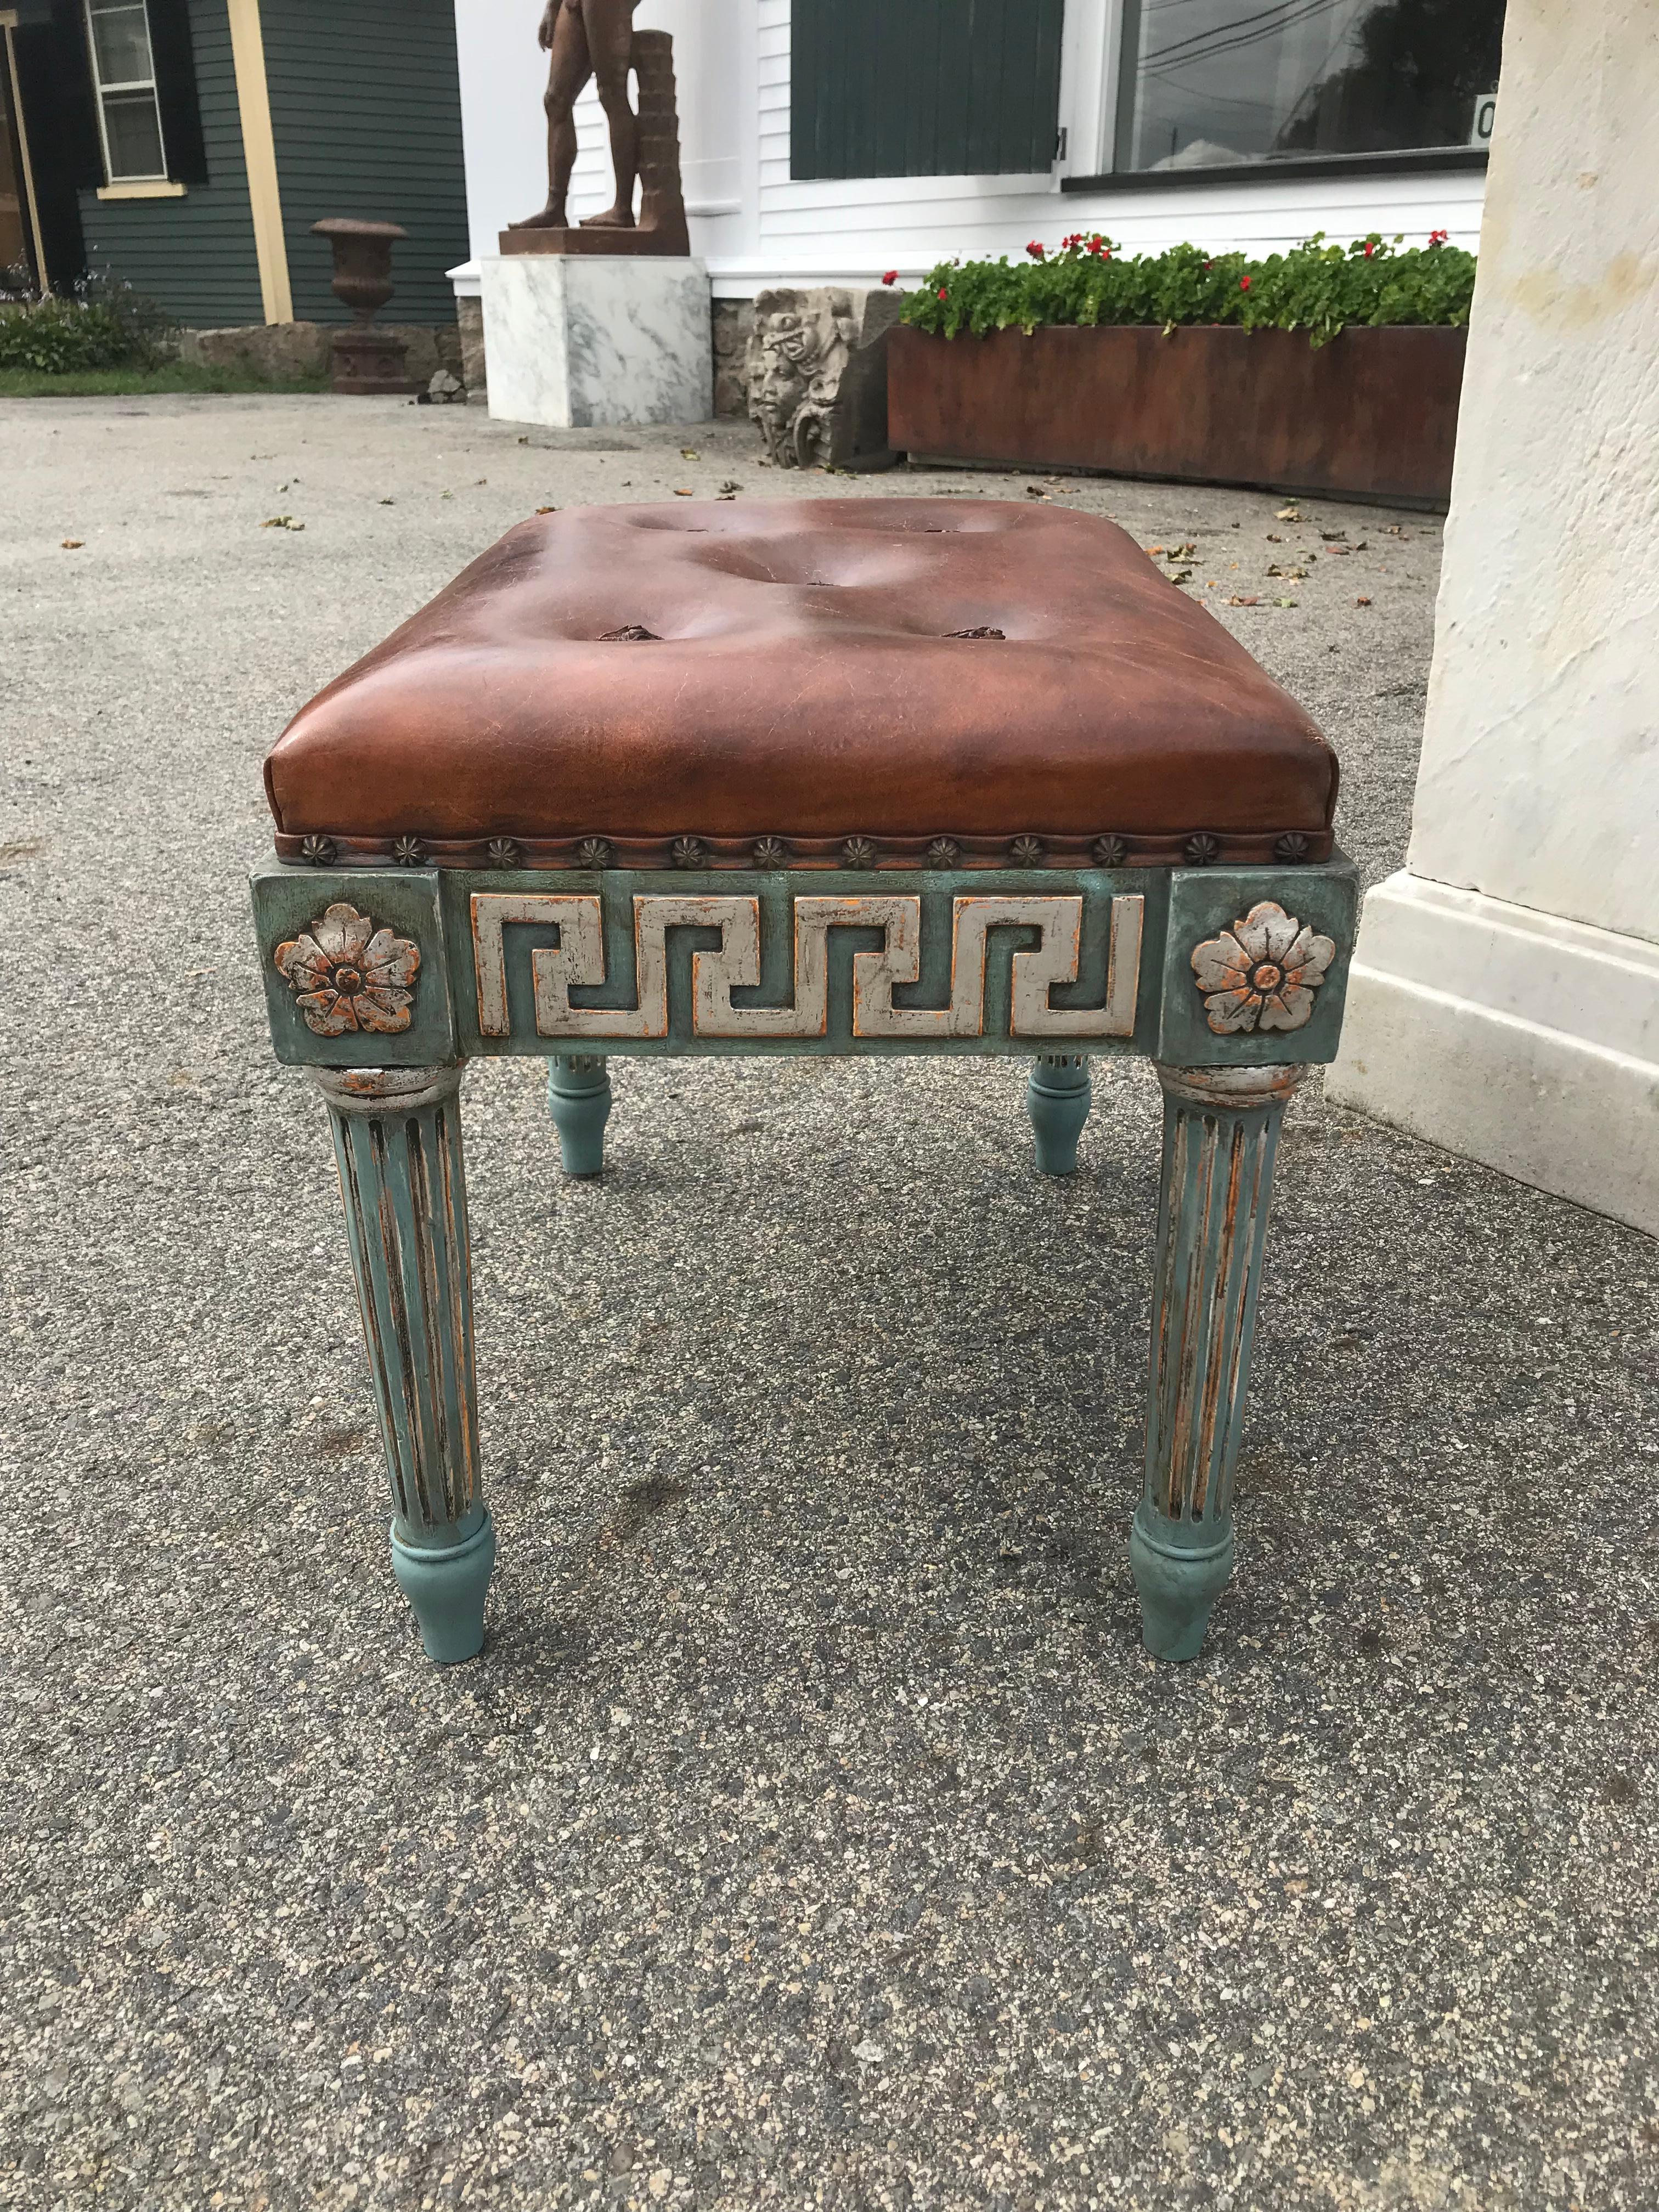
(578, 961)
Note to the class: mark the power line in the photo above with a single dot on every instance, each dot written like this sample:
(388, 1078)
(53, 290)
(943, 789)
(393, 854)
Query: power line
(1238, 33)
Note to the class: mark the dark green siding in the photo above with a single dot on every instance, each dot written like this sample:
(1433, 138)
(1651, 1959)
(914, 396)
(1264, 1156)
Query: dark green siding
(366, 107)
(923, 87)
(195, 255)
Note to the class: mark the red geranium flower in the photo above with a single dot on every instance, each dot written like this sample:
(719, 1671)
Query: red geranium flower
(1438, 237)
(943, 294)
(892, 277)
(1244, 283)
(1034, 250)
(1371, 247)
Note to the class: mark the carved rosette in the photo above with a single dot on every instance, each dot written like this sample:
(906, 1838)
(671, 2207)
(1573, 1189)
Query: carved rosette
(1262, 973)
(346, 974)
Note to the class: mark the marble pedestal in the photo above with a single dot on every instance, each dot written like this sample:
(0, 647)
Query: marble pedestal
(578, 342)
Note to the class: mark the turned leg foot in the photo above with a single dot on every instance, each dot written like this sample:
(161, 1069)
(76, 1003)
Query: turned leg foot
(446, 1585)
(579, 1100)
(398, 1145)
(1057, 1097)
(1221, 1131)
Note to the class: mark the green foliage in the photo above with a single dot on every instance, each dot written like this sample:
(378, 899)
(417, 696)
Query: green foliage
(101, 325)
(166, 376)
(1317, 288)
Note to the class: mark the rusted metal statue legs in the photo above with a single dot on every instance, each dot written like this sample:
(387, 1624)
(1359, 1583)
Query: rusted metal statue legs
(397, 1144)
(1220, 1131)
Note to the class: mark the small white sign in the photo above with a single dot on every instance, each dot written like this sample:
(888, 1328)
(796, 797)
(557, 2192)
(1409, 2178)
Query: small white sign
(1486, 114)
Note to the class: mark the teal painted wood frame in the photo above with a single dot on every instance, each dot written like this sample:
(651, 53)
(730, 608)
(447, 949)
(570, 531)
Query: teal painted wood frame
(385, 980)
(447, 914)
(398, 1147)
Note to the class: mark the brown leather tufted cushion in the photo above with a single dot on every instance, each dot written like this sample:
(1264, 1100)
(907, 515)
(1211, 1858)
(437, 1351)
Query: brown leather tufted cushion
(898, 669)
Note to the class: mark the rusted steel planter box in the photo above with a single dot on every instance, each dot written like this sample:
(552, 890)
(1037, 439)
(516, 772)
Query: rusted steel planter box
(1373, 414)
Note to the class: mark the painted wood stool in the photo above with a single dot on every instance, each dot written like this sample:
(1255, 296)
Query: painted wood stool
(857, 775)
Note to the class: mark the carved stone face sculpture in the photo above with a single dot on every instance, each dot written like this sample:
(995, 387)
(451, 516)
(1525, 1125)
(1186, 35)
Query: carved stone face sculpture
(802, 344)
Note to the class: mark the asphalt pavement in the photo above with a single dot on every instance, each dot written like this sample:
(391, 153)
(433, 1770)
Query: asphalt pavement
(813, 1831)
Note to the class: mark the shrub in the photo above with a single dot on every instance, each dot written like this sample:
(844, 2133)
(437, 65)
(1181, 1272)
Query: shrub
(1317, 288)
(102, 323)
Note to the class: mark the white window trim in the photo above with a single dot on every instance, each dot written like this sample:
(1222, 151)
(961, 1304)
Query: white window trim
(117, 186)
(142, 188)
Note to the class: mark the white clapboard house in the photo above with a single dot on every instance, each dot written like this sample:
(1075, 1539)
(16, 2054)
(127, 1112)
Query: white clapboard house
(830, 140)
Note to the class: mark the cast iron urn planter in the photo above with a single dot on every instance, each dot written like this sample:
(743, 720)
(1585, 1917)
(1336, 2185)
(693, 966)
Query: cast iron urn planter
(366, 360)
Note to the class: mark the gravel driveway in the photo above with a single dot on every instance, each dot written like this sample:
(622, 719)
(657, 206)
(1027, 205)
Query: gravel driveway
(813, 1831)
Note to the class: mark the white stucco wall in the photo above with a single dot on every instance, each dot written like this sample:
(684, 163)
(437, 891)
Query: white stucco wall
(1504, 999)
(755, 224)
(1540, 777)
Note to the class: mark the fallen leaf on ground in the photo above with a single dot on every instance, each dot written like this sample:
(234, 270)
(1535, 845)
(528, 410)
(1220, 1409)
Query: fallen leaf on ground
(73, 544)
(1333, 551)
(1179, 575)
(1274, 538)
(1036, 491)
(1285, 603)
(287, 521)
(388, 502)
(690, 453)
(684, 491)
(1362, 603)
(547, 510)
(1287, 514)
(1333, 537)
(1236, 601)
(523, 441)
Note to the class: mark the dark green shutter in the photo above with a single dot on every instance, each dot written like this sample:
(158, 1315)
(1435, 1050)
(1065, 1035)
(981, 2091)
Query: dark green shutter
(923, 87)
(175, 91)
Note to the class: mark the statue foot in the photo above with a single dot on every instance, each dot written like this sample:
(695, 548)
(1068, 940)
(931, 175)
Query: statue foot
(614, 218)
(550, 218)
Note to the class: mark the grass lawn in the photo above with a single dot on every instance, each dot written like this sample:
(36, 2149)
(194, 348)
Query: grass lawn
(119, 383)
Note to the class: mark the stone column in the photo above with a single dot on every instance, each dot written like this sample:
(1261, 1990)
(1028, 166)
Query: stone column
(1504, 996)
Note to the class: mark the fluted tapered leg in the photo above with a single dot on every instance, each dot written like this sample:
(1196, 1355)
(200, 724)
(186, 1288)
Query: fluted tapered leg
(1058, 1095)
(579, 1100)
(1220, 1131)
(398, 1143)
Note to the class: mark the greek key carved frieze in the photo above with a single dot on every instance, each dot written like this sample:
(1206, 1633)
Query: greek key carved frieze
(577, 962)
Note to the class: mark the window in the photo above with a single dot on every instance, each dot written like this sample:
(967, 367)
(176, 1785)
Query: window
(1210, 83)
(124, 79)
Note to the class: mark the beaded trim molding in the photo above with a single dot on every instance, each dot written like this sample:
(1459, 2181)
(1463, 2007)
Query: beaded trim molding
(1193, 849)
